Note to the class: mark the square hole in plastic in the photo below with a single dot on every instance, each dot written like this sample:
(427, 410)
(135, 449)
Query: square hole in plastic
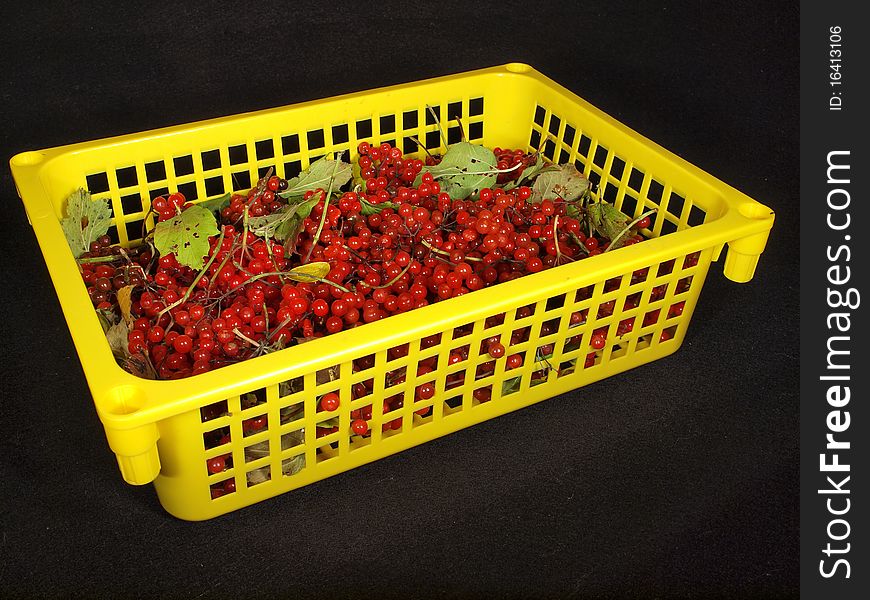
(238, 154)
(134, 229)
(214, 186)
(155, 171)
(433, 114)
(475, 106)
(131, 203)
(222, 488)
(264, 149)
(183, 165)
(387, 124)
(315, 139)
(340, 134)
(292, 465)
(475, 130)
(188, 189)
(126, 177)
(555, 123)
(241, 181)
(256, 451)
(258, 476)
(364, 129)
(97, 183)
(211, 159)
(290, 144)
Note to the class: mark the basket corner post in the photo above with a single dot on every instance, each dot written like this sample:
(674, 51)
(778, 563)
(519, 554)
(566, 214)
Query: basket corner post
(743, 253)
(136, 451)
(132, 439)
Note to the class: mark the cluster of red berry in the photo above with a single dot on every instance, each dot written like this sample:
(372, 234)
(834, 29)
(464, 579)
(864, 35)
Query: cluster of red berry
(260, 201)
(167, 207)
(104, 279)
(391, 246)
(511, 163)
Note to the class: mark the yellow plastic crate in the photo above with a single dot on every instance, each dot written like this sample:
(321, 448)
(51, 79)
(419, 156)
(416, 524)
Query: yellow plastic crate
(165, 431)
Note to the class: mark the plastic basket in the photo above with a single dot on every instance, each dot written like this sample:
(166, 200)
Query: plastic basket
(166, 431)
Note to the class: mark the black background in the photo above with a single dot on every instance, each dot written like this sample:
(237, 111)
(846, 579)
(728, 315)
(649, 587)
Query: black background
(678, 479)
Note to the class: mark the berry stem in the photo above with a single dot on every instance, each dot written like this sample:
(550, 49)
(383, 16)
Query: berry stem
(244, 233)
(628, 228)
(484, 172)
(394, 279)
(420, 145)
(445, 253)
(98, 259)
(316, 237)
(556, 239)
(461, 128)
(244, 337)
(438, 123)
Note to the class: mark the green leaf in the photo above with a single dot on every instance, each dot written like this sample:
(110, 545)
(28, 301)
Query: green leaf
(510, 385)
(532, 171)
(370, 209)
(258, 476)
(464, 170)
(137, 364)
(256, 451)
(329, 423)
(318, 176)
(608, 220)
(309, 272)
(274, 225)
(304, 208)
(216, 205)
(186, 235)
(292, 239)
(107, 318)
(564, 182)
(86, 220)
(294, 464)
(117, 336)
(293, 412)
(285, 222)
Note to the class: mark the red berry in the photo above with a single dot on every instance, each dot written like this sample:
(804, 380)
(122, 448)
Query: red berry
(182, 344)
(598, 341)
(330, 402)
(514, 361)
(359, 427)
(425, 391)
(255, 424)
(320, 308)
(496, 350)
(334, 324)
(216, 464)
(155, 334)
